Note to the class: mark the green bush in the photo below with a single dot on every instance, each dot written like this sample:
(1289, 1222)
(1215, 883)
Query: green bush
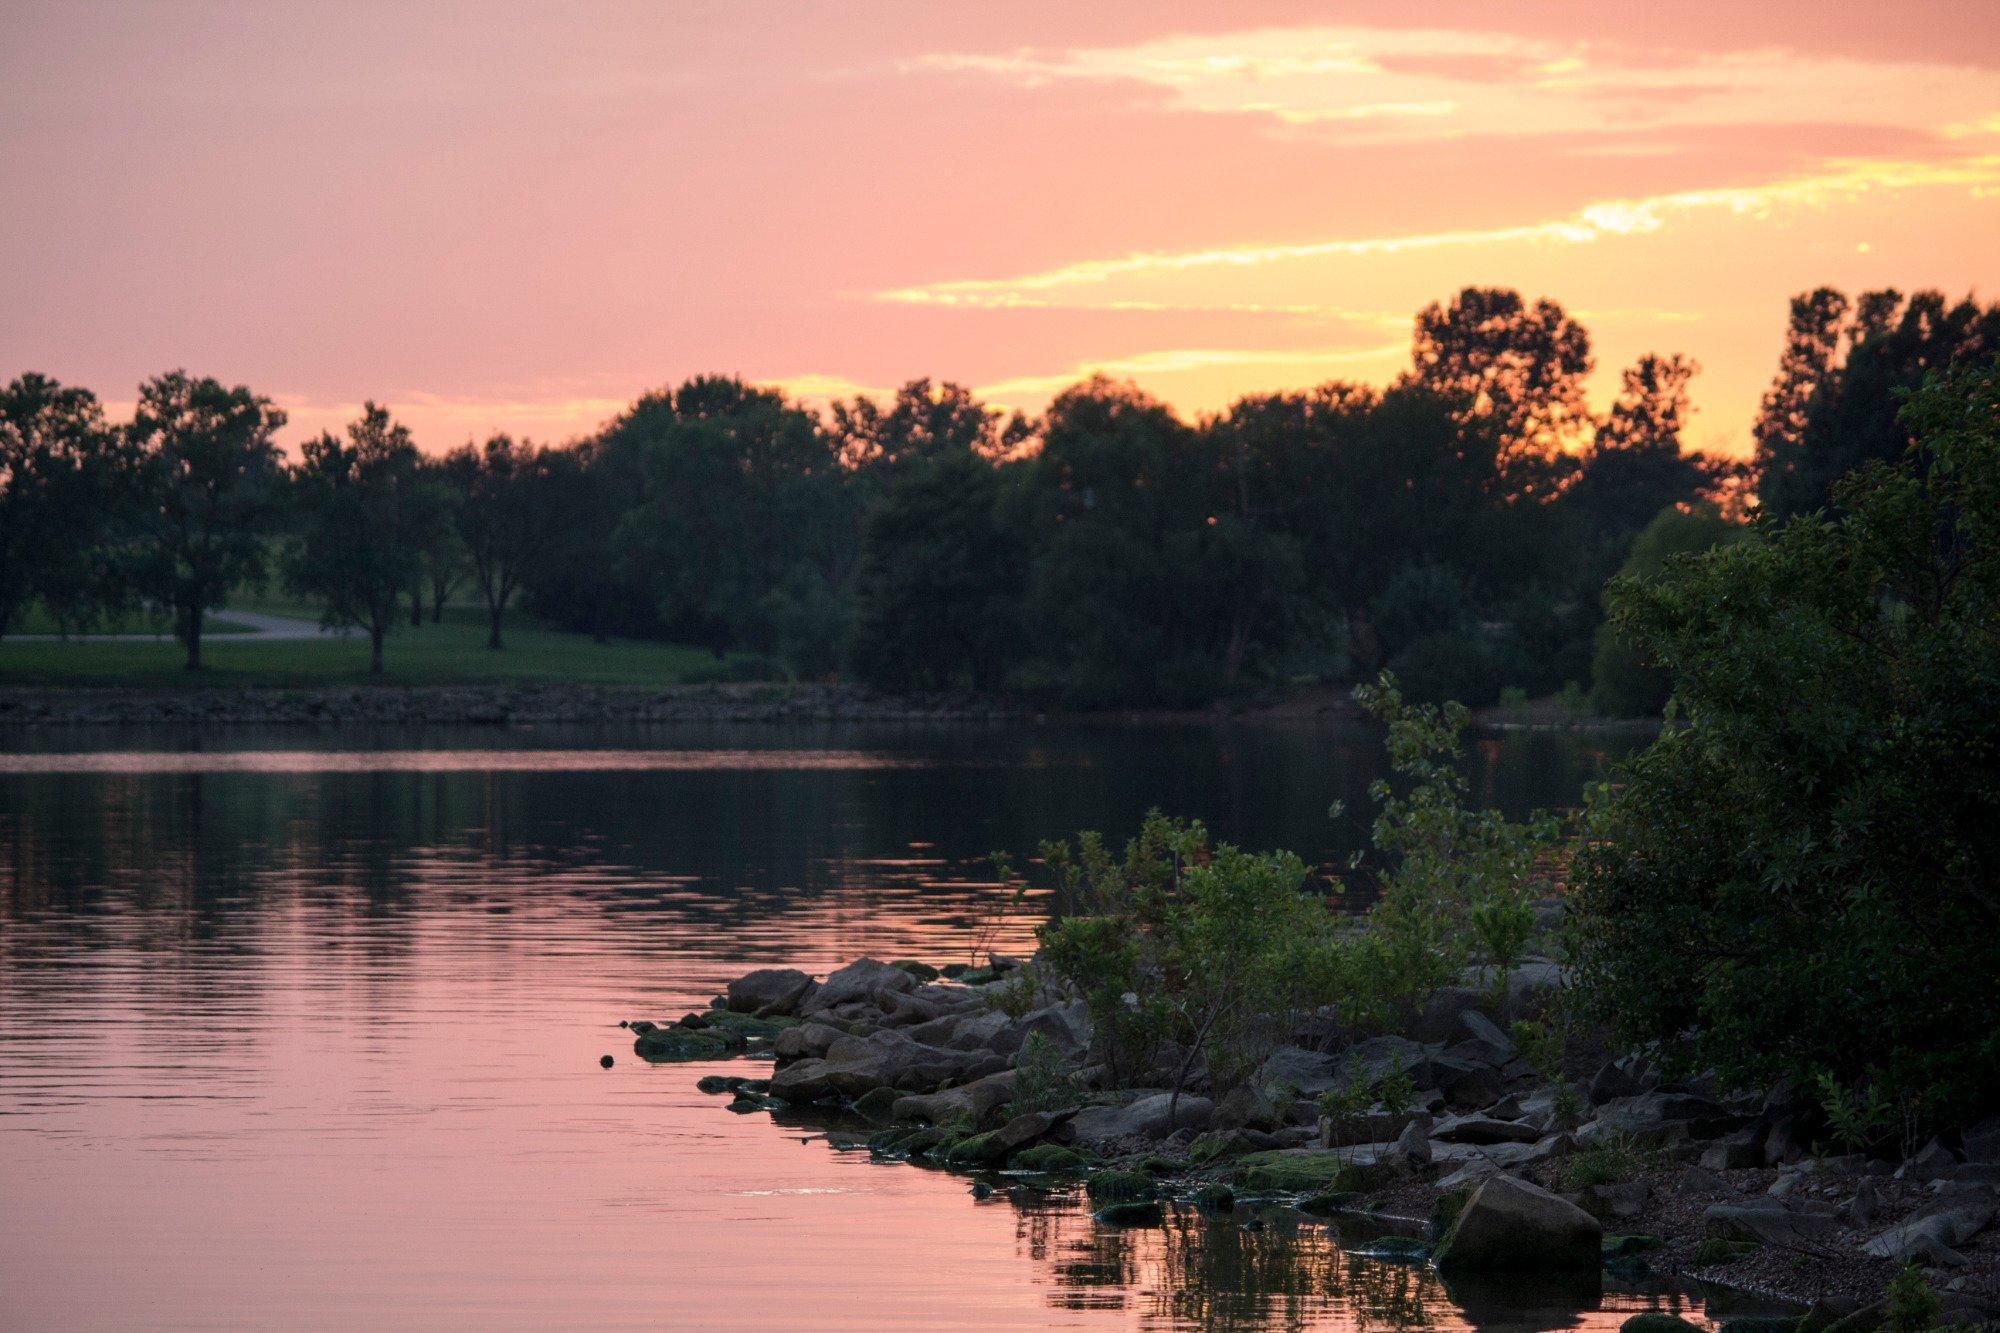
(1624, 681)
(1796, 881)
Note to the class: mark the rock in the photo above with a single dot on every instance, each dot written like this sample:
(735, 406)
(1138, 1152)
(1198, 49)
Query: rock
(1112, 1186)
(1512, 1225)
(1982, 1141)
(668, 1045)
(1716, 1250)
(878, 1104)
(1482, 1129)
(977, 1100)
(1145, 1118)
(1046, 1157)
(1620, 1202)
(1507, 1108)
(1247, 1107)
(1930, 1161)
(806, 1040)
(1215, 1197)
(1066, 1027)
(1488, 1034)
(1935, 1231)
(1413, 1147)
(1618, 1078)
(887, 1058)
(987, 1031)
(605, 1061)
(1443, 1017)
(1131, 1214)
(1301, 1070)
(921, 971)
(864, 979)
(1299, 1171)
(769, 990)
(1658, 1323)
(1860, 1211)
(1766, 1220)
(1733, 1156)
(1467, 1085)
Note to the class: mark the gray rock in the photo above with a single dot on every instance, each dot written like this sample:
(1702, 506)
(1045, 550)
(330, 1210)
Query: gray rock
(1514, 1226)
(1618, 1078)
(1296, 1067)
(1443, 1017)
(865, 979)
(1145, 1118)
(1931, 1161)
(978, 1099)
(1861, 1210)
(1982, 1141)
(1620, 1202)
(1935, 1232)
(1412, 1147)
(1767, 1220)
(806, 1040)
(1487, 1033)
(1066, 1027)
(1483, 1129)
(769, 990)
(987, 1030)
(1733, 1156)
(1247, 1107)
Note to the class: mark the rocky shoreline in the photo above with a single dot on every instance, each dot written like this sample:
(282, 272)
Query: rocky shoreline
(496, 705)
(1478, 1163)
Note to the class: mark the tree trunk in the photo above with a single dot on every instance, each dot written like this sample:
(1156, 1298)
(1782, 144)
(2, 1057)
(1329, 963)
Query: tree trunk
(376, 633)
(191, 618)
(496, 610)
(417, 604)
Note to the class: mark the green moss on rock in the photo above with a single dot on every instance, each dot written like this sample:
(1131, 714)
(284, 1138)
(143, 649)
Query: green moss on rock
(1050, 1157)
(666, 1045)
(1718, 1251)
(1658, 1323)
(1294, 1171)
(1132, 1213)
(1114, 1186)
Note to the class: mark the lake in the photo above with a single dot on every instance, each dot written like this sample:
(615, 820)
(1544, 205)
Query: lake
(303, 1030)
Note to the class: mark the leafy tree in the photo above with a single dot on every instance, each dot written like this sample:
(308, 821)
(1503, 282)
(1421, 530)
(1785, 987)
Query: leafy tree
(1636, 465)
(1829, 413)
(586, 490)
(441, 555)
(936, 590)
(209, 479)
(60, 464)
(1796, 879)
(363, 514)
(1517, 366)
(502, 521)
(922, 422)
(1625, 683)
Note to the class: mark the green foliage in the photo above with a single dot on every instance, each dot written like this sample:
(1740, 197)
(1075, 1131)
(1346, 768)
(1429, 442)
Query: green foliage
(1625, 683)
(1796, 879)
(1206, 948)
(1459, 879)
(364, 525)
(1912, 1307)
(1043, 1079)
(1610, 1163)
(209, 484)
(60, 469)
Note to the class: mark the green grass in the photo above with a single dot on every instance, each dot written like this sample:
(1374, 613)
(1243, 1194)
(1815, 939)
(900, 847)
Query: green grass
(452, 653)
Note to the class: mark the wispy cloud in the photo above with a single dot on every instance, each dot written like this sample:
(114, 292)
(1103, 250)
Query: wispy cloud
(1443, 83)
(1106, 283)
(1314, 361)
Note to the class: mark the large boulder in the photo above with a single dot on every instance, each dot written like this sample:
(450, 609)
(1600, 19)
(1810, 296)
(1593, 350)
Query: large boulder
(1065, 1027)
(1146, 1118)
(806, 1040)
(1484, 1129)
(978, 1099)
(769, 990)
(888, 1059)
(863, 981)
(1768, 1220)
(1512, 1225)
(1935, 1232)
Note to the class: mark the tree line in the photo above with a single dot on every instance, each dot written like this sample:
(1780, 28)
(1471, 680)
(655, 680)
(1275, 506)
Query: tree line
(1456, 526)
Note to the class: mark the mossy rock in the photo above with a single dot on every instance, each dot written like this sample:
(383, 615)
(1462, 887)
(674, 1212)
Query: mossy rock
(751, 1025)
(876, 1104)
(1288, 1171)
(986, 1149)
(1213, 1147)
(1618, 1247)
(891, 1142)
(745, 1102)
(1160, 1166)
(953, 971)
(1049, 1157)
(715, 1084)
(1215, 1197)
(921, 971)
(1715, 1250)
(1332, 1201)
(667, 1045)
(1658, 1323)
(1131, 1213)
(976, 976)
(1445, 1210)
(1402, 1249)
(1114, 1186)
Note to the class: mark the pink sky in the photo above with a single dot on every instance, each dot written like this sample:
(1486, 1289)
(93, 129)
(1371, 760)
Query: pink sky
(511, 216)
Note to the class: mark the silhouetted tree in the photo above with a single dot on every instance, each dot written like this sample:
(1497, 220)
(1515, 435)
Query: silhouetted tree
(364, 516)
(923, 421)
(502, 521)
(209, 481)
(1518, 366)
(1636, 465)
(60, 465)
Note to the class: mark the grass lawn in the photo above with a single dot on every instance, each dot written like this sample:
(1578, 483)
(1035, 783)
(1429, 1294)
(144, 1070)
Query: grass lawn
(451, 653)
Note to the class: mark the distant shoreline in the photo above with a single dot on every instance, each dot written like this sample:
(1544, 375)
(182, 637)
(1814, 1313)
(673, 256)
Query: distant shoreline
(499, 705)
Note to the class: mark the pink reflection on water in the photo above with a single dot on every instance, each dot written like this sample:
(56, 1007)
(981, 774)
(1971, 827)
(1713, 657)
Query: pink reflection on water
(459, 761)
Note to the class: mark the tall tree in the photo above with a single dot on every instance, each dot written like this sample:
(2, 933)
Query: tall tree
(363, 522)
(209, 478)
(1636, 464)
(58, 470)
(923, 421)
(1812, 344)
(502, 523)
(1520, 367)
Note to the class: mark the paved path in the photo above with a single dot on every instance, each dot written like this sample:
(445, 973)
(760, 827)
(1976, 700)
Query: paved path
(257, 626)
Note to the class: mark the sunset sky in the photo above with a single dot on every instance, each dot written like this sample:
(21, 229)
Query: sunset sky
(500, 216)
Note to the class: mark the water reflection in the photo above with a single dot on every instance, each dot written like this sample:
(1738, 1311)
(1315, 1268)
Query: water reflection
(292, 1030)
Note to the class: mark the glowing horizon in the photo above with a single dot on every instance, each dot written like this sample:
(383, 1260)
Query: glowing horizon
(524, 225)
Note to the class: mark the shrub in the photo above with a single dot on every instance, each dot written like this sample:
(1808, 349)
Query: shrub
(1796, 880)
(1625, 682)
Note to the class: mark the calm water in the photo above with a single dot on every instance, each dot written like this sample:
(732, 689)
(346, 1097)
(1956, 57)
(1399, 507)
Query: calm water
(304, 1030)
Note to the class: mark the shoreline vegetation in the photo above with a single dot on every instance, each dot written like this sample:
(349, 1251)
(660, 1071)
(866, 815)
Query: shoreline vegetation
(1735, 1020)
